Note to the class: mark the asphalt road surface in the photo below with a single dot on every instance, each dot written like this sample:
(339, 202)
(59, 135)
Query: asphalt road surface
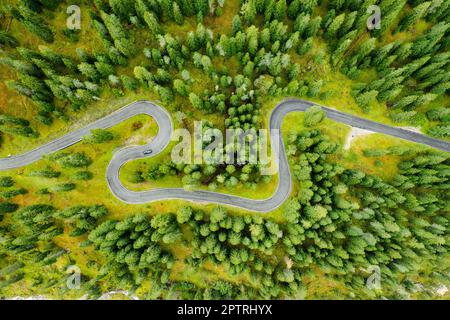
(162, 139)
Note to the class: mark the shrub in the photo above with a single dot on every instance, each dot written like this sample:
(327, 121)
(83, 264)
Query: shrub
(6, 182)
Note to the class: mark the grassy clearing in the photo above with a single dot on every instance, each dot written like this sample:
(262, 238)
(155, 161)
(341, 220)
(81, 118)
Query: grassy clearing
(382, 166)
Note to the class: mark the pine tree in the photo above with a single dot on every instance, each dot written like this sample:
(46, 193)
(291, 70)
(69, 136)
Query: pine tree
(249, 11)
(280, 10)
(141, 8)
(166, 6)
(313, 27)
(89, 71)
(440, 131)
(269, 10)
(34, 23)
(40, 29)
(313, 116)
(129, 83)
(101, 5)
(365, 48)
(152, 23)
(100, 136)
(314, 88)
(440, 88)
(8, 40)
(6, 181)
(405, 101)
(177, 15)
(309, 5)
(126, 46)
(218, 214)
(113, 25)
(390, 95)
(104, 69)
(184, 214)
(123, 8)
(334, 26)
(347, 24)
(180, 87)
(426, 43)
(187, 7)
(301, 23)
(338, 53)
(365, 99)
(294, 8)
(196, 101)
(236, 24)
(305, 46)
(417, 13)
(331, 14)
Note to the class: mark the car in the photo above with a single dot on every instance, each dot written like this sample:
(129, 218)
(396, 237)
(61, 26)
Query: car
(149, 151)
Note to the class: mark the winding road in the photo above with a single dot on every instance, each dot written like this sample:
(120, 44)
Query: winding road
(162, 139)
